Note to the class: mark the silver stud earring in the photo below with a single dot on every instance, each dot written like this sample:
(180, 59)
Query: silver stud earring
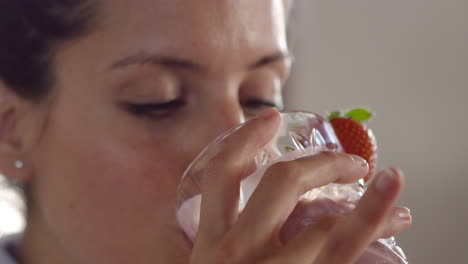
(19, 164)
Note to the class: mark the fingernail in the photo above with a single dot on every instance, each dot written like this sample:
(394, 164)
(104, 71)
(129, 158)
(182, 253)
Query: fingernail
(403, 213)
(359, 160)
(266, 114)
(385, 179)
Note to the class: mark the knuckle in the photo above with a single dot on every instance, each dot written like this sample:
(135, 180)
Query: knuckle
(222, 162)
(329, 162)
(224, 157)
(228, 158)
(288, 172)
(329, 156)
(227, 253)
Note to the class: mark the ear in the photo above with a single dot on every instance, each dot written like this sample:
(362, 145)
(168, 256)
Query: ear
(15, 121)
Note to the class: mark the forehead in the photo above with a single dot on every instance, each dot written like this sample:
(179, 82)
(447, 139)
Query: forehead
(200, 26)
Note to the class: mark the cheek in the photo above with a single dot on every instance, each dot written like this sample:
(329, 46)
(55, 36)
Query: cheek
(113, 170)
(90, 182)
(134, 169)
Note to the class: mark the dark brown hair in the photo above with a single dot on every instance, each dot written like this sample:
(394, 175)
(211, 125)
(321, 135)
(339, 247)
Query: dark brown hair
(30, 31)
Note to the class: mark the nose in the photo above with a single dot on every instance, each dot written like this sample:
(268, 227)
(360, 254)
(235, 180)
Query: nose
(213, 120)
(226, 116)
(223, 116)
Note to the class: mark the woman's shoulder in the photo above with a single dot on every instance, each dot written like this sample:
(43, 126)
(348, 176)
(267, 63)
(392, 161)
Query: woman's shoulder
(7, 244)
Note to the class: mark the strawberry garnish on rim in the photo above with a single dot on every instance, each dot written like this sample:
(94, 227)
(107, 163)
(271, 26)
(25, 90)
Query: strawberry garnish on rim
(355, 137)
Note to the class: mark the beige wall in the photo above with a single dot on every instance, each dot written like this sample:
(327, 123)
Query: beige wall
(408, 61)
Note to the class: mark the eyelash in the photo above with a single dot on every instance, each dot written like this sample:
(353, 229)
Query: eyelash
(165, 109)
(258, 102)
(155, 111)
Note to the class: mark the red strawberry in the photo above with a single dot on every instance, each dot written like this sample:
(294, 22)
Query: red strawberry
(355, 137)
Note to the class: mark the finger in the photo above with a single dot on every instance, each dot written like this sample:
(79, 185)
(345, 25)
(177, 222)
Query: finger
(280, 188)
(307, 243)
(398, 221)
(306, 213)
(223, 171)
(349, 239)
(306, 246)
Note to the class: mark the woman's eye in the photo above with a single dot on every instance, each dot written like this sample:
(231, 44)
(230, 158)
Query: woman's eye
(155, 110)
(254, 106)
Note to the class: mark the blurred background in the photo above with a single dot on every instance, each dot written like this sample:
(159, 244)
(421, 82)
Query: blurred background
(408, 62)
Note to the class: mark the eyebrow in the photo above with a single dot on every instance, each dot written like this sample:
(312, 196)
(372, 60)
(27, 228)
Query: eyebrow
(142, 59)
(273, 58)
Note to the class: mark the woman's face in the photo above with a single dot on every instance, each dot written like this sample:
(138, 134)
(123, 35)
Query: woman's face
(134, 103)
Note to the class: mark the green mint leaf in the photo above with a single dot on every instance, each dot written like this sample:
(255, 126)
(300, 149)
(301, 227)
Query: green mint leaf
(334, 114)
(359, 114)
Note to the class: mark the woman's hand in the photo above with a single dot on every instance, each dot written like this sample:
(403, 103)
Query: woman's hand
(254, 235)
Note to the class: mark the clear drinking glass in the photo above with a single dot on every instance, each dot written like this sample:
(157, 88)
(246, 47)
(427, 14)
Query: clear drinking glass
(299, 134)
